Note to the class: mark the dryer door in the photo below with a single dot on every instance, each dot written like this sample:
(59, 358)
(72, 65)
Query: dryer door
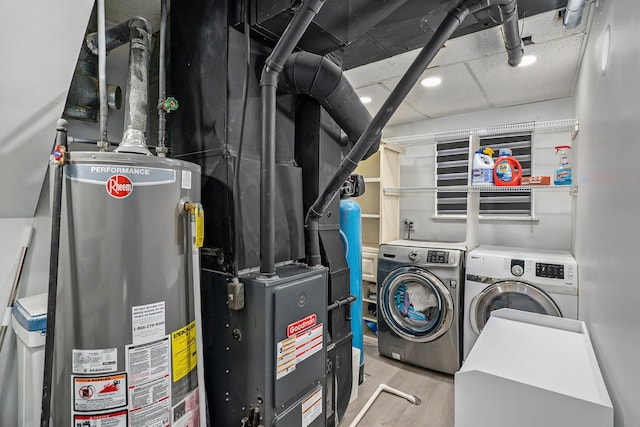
(509, 294)
(416, 304)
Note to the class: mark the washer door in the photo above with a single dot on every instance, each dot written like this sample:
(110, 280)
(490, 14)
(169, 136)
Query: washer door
(416, 304)
(509, 294)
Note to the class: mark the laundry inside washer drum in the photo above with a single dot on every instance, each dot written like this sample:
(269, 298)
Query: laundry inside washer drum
(418, 304)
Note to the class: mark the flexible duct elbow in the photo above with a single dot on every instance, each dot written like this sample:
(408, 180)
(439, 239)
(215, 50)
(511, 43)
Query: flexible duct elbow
(318, 77)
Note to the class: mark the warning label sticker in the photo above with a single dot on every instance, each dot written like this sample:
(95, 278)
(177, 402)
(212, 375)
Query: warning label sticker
(185, 413)
(312, 407)
(184, 351)
(285, 357)
(308, 343)
(148, 322)
(112, 419)
(95, 361)
(99, 393)
(297, 348)
(186, 179)
(149, 383)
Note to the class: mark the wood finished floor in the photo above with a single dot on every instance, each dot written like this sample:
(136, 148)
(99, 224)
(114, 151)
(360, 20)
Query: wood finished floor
(434, 389)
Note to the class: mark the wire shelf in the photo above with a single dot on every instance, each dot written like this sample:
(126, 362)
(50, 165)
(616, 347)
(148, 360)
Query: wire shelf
(541, 127)
(572, 189)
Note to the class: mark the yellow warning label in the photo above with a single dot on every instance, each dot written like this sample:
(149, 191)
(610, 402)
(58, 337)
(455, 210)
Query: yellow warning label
(184, 353)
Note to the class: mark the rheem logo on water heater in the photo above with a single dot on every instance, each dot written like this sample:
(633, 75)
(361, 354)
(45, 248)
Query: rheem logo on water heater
(119, 186)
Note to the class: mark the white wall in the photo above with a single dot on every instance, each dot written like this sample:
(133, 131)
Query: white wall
(553, 225)
(607, 231)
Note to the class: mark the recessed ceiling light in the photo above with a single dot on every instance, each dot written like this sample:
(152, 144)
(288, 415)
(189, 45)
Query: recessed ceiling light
(431, 81)
(527, 60)
(365, 99)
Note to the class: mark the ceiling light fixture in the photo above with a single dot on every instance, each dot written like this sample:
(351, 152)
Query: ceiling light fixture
(431, 81)
(527, 60)
(365, 99)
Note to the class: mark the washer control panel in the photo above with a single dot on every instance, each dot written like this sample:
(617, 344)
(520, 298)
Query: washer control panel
(438, 257)
(552, 271)
(517, 267)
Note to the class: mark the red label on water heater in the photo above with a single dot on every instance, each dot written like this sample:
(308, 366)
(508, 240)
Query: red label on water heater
(301, 325)
(119, 186)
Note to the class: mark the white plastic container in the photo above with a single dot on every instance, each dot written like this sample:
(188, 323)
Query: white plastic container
(482, 169)
(355, 366)
(29, 321)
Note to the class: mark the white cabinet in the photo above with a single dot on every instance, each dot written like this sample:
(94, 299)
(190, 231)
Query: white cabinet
(380, 220)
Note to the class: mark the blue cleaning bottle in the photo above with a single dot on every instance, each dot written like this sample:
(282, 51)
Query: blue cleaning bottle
(562, 174)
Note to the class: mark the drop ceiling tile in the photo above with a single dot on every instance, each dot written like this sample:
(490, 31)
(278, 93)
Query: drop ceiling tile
(458, 92)
(552, 76)
(378, 94)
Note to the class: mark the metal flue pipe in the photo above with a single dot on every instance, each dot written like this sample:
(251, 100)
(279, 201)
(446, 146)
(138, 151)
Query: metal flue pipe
(450, 23)
(137, 32)
(573, 14)
(268, 88)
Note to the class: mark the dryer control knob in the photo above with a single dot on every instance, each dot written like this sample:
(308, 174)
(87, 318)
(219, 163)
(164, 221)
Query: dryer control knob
(517, 270)
(414, 254)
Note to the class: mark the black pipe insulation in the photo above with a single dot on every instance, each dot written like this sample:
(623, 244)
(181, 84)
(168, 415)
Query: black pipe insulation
(446, 28)
(56, 209)
(268, 88)
(323, 80)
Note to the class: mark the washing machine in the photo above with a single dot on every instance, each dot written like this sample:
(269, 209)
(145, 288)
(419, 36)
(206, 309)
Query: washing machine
(420, 303)
(538, 281)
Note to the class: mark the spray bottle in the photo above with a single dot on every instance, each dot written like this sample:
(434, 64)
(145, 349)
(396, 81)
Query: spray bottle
(562, 174)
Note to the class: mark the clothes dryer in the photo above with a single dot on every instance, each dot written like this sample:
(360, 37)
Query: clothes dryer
(538, 281)
(420, 303)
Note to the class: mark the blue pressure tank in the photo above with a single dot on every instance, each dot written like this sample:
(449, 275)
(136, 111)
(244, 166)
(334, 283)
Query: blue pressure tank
(351, 228)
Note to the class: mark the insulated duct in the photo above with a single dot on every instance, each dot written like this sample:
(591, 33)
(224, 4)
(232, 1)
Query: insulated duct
(573, 14)
(268, 88)
(318, 77)
(137, 32)
(451, 22)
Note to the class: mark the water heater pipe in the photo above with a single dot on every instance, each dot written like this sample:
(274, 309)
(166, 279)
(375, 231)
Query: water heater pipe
(268, 88)
(451, 22)
(161, 149)
(56, 210)
(573, 14)
(103, 143)
(320, 78)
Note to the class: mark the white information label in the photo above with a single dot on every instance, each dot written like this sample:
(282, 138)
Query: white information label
(186, 180)
(297, 348)
(186, 413)
(308, 343)
(312, 407)
(285, 357)
(112, 419)
(95, 361)
(148, 322)
(99, 393)
(149, 383)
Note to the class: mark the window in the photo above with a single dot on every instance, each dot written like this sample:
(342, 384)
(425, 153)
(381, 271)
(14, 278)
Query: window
(452, 169)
